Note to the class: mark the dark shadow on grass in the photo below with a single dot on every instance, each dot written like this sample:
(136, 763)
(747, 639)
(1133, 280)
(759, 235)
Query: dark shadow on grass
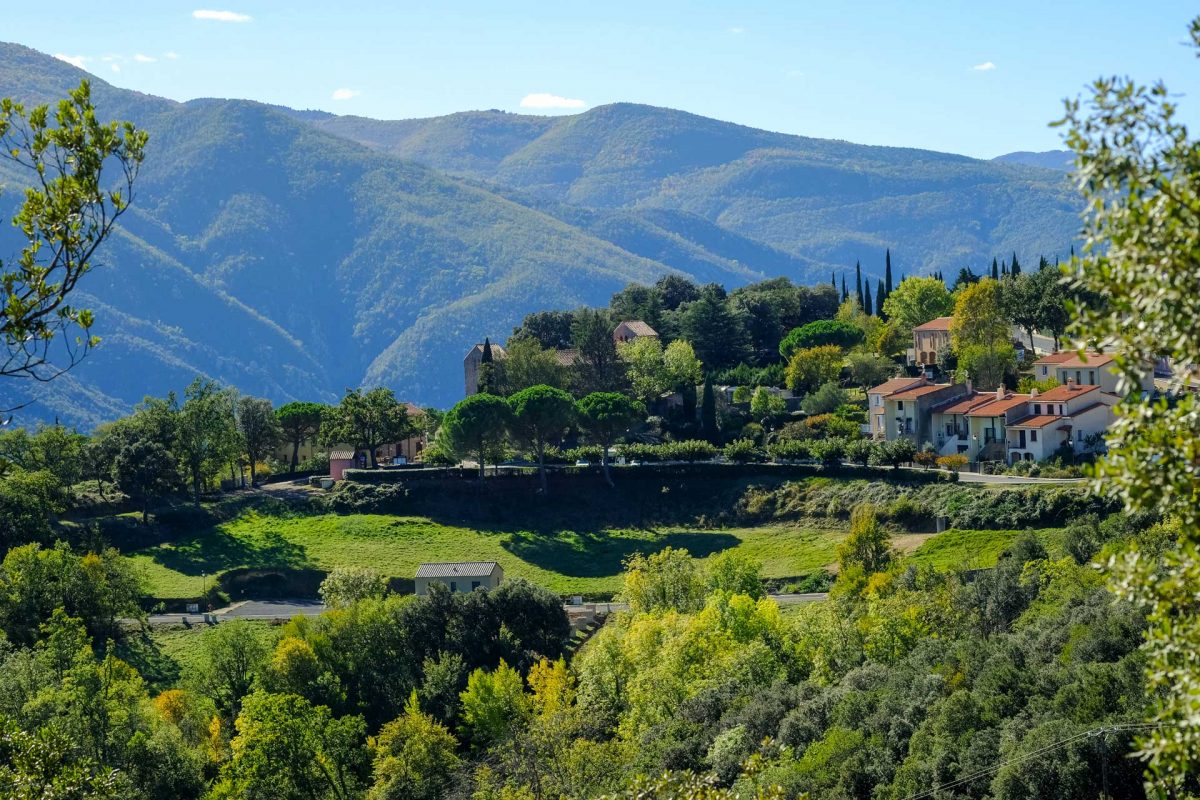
(598, 555)
(216, 551)
(158, 669)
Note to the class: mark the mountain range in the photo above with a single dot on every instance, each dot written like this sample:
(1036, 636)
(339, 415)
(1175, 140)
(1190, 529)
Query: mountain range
(293, 254)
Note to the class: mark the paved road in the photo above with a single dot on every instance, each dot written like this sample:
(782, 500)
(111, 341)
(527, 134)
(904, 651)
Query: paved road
(978, 477)
(286, 609)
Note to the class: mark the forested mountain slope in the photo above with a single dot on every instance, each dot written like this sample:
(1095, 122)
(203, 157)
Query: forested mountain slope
(293, 254)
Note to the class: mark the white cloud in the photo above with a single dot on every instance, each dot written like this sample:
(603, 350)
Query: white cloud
(220, 16)
(986, 66)
(546, 100)
(737, 30)
(144, 59)
(116, 67)
(345, 94)
(74, 61)
(172, 55)
(795, 73)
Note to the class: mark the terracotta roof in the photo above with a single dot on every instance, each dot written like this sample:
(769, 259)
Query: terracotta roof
(1088, 408)
(1056, 358)
(413, 409)
(1065, 392)
(638, 328)
(567, 358)
(999, 406)
(919, 391)
(1040, 421)
(961, 405)
(457, 569)
(341, 455)
(894, 385)
(1071, 359)
(497, 351)
(939, 324)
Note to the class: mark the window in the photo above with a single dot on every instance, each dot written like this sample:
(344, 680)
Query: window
(1033, 436)
(899, 405)
(1037, 408)
(876, 400)
(1091, 376)
(454, 586)
(1078, 376)
(474, 585)
(1045, 369)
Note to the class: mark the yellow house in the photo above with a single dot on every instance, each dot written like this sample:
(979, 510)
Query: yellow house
(459, 576)
(929, 338)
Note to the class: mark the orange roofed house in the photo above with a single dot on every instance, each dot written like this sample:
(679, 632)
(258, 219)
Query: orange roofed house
(930, 338)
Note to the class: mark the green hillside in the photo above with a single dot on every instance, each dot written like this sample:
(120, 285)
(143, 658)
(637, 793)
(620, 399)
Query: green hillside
(292, 254)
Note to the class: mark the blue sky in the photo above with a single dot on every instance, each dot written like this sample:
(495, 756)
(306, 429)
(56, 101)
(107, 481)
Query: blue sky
(965, 77)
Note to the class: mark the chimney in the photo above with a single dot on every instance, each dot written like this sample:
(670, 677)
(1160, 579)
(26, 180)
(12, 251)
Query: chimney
(970, 387)
(1033, 392)
(1070, 384)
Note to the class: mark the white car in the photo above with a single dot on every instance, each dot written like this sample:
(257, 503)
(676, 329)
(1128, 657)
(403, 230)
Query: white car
(583, 462)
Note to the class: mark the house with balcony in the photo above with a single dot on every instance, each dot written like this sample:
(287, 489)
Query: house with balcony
(1086, 369)
(903, 407)
(929, 339)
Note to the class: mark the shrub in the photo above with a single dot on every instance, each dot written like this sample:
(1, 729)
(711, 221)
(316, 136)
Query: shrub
(821, 332)
(637, 451)
(743, 451)
(897, 451)
(861, 451)
(828, 451)
(742, 394)
(690, 450)
(926, 457)
(790, 450)
(592, 453)
(825, 400)
(317, 462)
(954, 463)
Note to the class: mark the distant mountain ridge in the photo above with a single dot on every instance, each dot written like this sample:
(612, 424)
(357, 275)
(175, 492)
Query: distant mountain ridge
(1063, 160)
(296, 253)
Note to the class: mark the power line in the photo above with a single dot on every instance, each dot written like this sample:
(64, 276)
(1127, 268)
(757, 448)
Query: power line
(1122, 727)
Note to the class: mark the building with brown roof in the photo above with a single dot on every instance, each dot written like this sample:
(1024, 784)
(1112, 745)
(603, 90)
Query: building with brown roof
(632, 329)
(1087, 369)
(930, 338)
(902, 407)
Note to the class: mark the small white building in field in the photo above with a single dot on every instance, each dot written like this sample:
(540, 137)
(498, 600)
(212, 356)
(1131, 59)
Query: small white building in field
(459, 576)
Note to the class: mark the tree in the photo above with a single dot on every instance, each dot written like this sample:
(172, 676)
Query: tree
(675, 290)
(1139, 173)
(897, 451)
(644, 366)
(1022, 299)
(867, 369)
(66, 216)
(599, 369)
(825, 399)
(708, 412)
(345, 586)
(476, 426)
(207, 435)
(367, 421)
(487, 383)
(146, 472)
(981, 333)
(605, 417)
(415, 757)
(550, 329)
(527, 364)
(637, 302)
(667, 580)
(858, 284)
(259, 429)
(916, 301)
(820, 332)
(735, 573)
(299, 421)
(494, 704)
(681, 367)
(765, 404)
(286, 748)
(810, 367)
(868, 545)
(231, 659)
(887, 272)
(540, 416)
(717, 333)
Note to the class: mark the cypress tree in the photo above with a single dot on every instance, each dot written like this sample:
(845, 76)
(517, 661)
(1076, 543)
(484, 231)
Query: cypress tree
(833, 281)
(1015, 269)
(708, 412)
(487, 370)
(858, 294)
(1004, 269)
(880, 296)
(845, 294)
(867, 306)
(995, 270)
(887, 273)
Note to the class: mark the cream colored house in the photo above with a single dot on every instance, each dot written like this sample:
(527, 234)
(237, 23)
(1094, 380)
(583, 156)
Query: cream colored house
(1031, 427)
(929, 338)
(1090, 369)
(459, 576)
(471, 362)
(876, 407)
(632, 329)
(903, 407)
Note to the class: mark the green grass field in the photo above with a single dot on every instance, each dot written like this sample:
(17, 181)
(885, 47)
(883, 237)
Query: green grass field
(565, 562)
(962, 549)
(167, 652)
